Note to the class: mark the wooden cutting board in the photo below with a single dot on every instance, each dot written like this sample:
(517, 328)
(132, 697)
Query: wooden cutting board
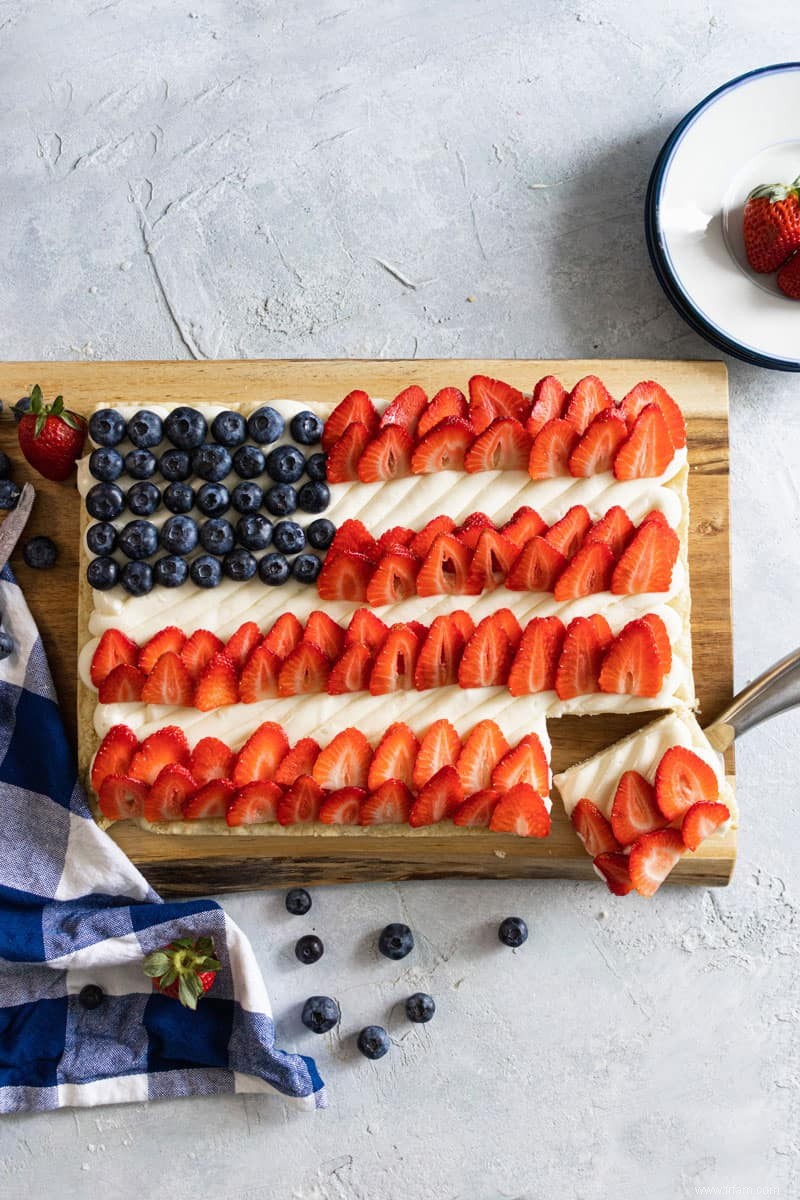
(199, 865)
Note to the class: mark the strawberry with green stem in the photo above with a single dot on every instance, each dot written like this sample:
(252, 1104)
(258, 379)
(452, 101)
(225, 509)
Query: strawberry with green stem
(772, 225)
(50, 436)
(185, 969)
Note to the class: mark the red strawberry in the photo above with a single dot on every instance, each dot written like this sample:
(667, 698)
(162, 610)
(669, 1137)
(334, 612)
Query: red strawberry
(525, 763)
(351, 672)
(522, 526)
(210, 802)
(537, 567)
(254, 803)
(701, 820)
(51, 437)
(588, 572)
(211, 759)
(344, 762)
(184, 969)
(491, 562)
(593, 829)
(344, 577)
(445, 569)
(300, 805)
(323, 632)
(305, 670)
(772, 225)
(353, 537)
(443, 449)
(487, 657)
(387, 455)
(218, 685)
(285, 634)
(423, 540)
(396, 538)
(589, 397)
(171, 638)
(114, 649)
(440, 747)
(567, 534)
(448, 402)
(168, 682)
(355, 408)
(259, 680)
(647, 563)
(535, 664)
(504, 446)
(440, 654)
(463, 623)
(789, 278)
(613, 867)
(469, 533)
(634, 810)
(507, 401)
(406, 409)
(631, 665)
(122, 686)
(521, 811)
(342, 807)
(198, 650)
(242, 643)
(389, 804)
(159, 750)
(481, 752)
(345, 454)
(367, 629)
(648, 449)
(394, 757)
(438, 800)
(168, 795)
(659, 631)
(297, 761)
(505, 620)
(114, 754)
(476, 811)
(651, 859)
(649, 392)
(581, 659)
(121, 797)
(552, 448)
(615, 530)
(549, 401)
(683, 779)
(394, 579)
(597, 449)
(395, 662)
(261, 754)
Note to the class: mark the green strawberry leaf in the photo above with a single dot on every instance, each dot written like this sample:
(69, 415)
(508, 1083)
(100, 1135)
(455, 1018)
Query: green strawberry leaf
(187, 997)
(156, 964)
(168, 977)
(41, 421)
(36, 398)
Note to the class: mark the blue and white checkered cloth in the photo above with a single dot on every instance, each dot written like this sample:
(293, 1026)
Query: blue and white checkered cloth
(75, 911)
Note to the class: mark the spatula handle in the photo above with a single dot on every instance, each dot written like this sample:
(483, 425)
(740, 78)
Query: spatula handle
(773, 692)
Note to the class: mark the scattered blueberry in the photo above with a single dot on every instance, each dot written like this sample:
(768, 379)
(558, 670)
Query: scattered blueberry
(513, 931)
(101, 538)
(143, 498)
(247, 497)
(213, 499)
(265, 425)
(314, 497)
(254, 531)
(6, 644)
(211, 462)
(206, 571)
(138, 539)
(420, 1008)
(317, 467)
(321, 533)
(140, 463)
(179, 534)
(239, 566)
(102, 573)
(373, 1041)
(320, 1013)
(280, 500)
(273, 569)
(137, 578)
(9, 493)
(248, 462)
(396, 940)
(20, 408)
(175, 465)
(288, 537)
(306, 568)
(40, 553)
(179, 497)
(170, 571)
(217, 536)
(185, 428)
(306, 428)
(107, 427)
(229, 429)
(145, 429)
(285, 464)
(309, 949)
(298, 902)
(5, 465)
(104, 501)
(106, 464)
(91, 996)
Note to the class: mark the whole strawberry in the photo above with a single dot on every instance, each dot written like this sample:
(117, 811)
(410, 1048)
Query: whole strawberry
(51, 437)
(789, 278)
(184, 970)
(772, 225)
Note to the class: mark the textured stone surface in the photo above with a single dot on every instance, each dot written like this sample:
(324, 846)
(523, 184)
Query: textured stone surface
(237, 178)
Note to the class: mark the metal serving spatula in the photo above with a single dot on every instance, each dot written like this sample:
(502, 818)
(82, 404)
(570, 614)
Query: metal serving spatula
(777, 690)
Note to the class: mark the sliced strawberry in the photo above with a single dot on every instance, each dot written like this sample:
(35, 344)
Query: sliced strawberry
(123, 685)
(567, 534)
(443, 449)
(655, 517)
(651, 859)
(343, 807)
(259, 679)
(463, 623)
(121, 797)
(211, 759)
(646, 565)
(353, 537)
(344, 762)
(297, 761)
(505, 619)
(389, 804)
(114, 649)
(552, 448)
(345, 454)
(549, 402)
(159, 750)
(355, 408)
(649, 392)
(261, 754)
(169, 793)
(589, 397)
(614, 530)
(648, 450)
(169, 639)
(683, 779)
(593, 829)
(438, 799)
(634, 810)
(396, 538)
(535, 664)
(395, 662)
(445, 569)
(300, 805)
(476, 811)
(241, 644)
(198, 650)
(423, 540)
(448, 402)
(597, 449)
(387, 455)
(210, 802)
(480, 754)
(524, 763)
(701, 820)
(285, 634)
(470, 531)
(487, 657)
(440, 747)
(663, 647)
(507, 401)
(521, 811)
(491, 562)
(306, 670)
(168, 682)
(504, 446)
(394, 579)
(588, 572)
(254, 803)
(440, 654)
(218, 686)
(344, 577)
(394, 757)
(323, 632)
(580, 660)
(537, 568)
(351, 672)
(631, 665)
(419, 630)
(524, 525)
(613, 867)
(114, 754)
(602, 630)
(367, 629)
(406, 409)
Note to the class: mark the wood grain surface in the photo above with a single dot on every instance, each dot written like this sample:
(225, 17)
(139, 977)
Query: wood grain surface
(195, 865)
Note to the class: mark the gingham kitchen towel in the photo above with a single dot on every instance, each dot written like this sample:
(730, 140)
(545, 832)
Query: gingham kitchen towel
(75, 912)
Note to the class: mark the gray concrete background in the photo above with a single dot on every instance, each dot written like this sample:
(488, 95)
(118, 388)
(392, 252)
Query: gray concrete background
(346, 178)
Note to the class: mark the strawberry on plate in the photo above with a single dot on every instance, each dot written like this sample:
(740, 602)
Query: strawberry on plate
(351, 672)
(445, 569)
(549, 401)
(535, 664)
(300, 805)
(597, 449)
(395, 662)
(772, 225)
(356, 408)
(261, 754)
(343, 807)
(344, 762)
(701, 820)
(406, 409)
(344, 577)
(537, 567)
(524, 763)
(297, 761)
(218, 686)
(633, 664)
(652, 857)
(255, 802)
(581, 656)
(121, 797)
(184, 970)
(123, 685)
(438, 800)
(683, 779)
(387, 455)
(647, 563)
(388, 804)
(634, 810)
(50, 436)
(590, 571)
(593, 829)
(648, 449)
(448, 402)
(613, 867)
(481, 752)
(162, 748)
(259, 679)
(789, 278)
(167, 797)
(168, 682)
(476, 811)
(211, 759)
(170, 638)
(394, 579)
(440, 747)
(114, 649)
(551, 449)
(521, 811)
(648, 392)
(503, 446)
(114, 754)
(588, 398)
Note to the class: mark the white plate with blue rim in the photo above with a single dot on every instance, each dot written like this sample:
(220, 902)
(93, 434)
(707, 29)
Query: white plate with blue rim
(745, 133)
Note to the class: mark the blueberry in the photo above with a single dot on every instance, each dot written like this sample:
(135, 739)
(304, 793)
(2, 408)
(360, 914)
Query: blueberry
(137, 578)
(106, 464)
(143, 498)
(309, 949)
(107, 427)
(175, 465)
(317, 467)
(239, 565)
(280, 500)
(213, 499)
(145, 430)
(321, 533)
(211, 462)
(91, 996)
(254, 531)
(320, 1013)
(306, 428)
(288, 537)
(140, 463)
(101, 538)
(102, 573)
(247, 497)
(373, 1041)
(206, 571)
(6, 644)
(298, 902)
(306, 568)
(9, 494)
(265, 425)
(179, 497)
(273, 569)
(185, 428)
(513, 931)
(285, 464)
(396, 940)
(420, 1008)
(314, 497)
(217, 536)
(40, 553)
(138, 539)
(170, 571)
(179, 535)
(248, 462)
(20, 408)
(104, 501)
(229, 429)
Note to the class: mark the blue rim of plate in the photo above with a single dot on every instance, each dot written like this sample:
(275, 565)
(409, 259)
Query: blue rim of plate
(659, 256)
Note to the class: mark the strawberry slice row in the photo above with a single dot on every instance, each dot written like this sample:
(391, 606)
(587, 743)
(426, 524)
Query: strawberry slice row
(652, 824)
(571, 558)
(479, 781)
(553, 432)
